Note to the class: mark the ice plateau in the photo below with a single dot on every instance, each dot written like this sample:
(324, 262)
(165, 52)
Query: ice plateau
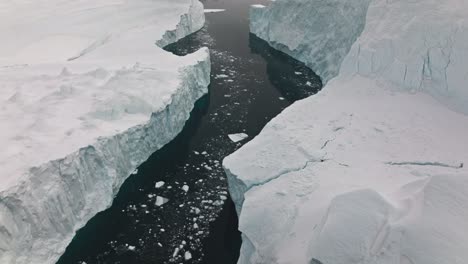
(86, 95)
(372, 169)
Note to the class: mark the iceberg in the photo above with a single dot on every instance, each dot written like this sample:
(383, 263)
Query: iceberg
(371, 169)
(86, 96)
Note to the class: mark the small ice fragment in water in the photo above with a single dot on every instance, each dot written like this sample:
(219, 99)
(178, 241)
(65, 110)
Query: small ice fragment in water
(187, 255)
(159, 184)
(176, 252)
(238, 137)
(298, 73)
(281, 98)
(131, 248)
(308, 83)
(185, 188)
(219, 76)
(214, 10)
(135, 172)
(161, 200)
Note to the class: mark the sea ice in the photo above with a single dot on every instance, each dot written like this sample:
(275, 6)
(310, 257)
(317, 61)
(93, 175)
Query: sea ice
(367, 170)
(187, 255)
(84, 97)
(237, 137)
(161, 200)
(159, 184)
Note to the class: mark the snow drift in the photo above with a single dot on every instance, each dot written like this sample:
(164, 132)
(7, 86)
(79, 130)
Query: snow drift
(86, 96)
(373, 168)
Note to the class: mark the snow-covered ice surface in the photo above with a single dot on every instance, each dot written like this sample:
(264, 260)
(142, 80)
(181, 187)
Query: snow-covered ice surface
(86, 96)
(373, 169)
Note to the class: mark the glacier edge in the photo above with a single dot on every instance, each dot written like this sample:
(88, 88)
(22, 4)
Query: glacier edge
(40, 214)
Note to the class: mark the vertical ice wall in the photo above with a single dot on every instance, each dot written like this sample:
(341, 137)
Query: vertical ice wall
(417, 45)
(371, 170)
(41, 209)
(318, 33)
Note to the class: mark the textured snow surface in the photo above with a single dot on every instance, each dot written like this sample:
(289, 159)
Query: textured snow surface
(373, 169)
(85, 96)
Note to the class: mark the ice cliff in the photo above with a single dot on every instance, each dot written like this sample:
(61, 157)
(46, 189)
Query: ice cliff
(372, 170)
(86, 96)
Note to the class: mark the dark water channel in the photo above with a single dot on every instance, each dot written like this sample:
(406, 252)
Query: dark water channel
(250, 84)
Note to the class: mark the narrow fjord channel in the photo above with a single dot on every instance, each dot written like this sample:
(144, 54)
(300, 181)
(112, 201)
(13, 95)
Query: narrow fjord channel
(176, 208)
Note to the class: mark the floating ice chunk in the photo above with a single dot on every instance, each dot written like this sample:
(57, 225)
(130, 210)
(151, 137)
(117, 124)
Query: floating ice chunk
(187, 255)
(185, 188)
(221, 76)
(159, 184)
(238, 137)
(131, 247)
(176, 252)
(298, 73)
(135, 172)
(161, 200)
(214, 10)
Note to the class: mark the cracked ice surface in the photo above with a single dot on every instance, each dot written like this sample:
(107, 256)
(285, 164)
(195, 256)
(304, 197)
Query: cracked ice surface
(85, 97)
(363, 172)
